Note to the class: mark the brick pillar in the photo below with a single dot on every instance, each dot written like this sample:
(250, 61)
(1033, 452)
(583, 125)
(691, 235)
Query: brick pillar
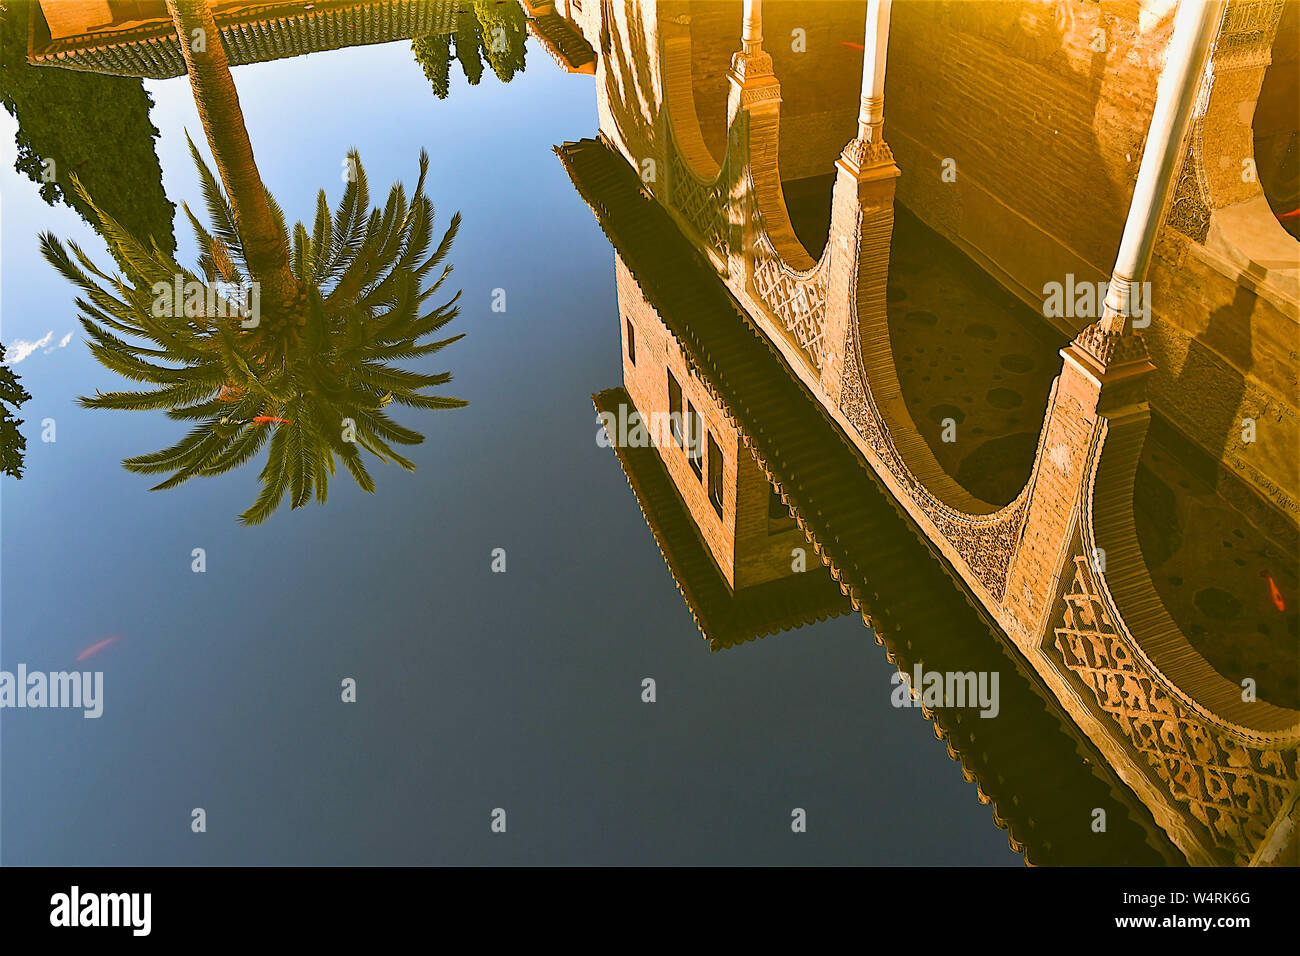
(862, 221)
(1046, 545)
(754, 125)
(862, 225)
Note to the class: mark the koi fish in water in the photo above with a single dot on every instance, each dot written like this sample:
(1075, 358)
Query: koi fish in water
(1274, 593)
(264, 419)
(95, 648)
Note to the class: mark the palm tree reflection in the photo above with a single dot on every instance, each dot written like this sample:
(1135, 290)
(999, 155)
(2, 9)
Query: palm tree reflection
(309, 373)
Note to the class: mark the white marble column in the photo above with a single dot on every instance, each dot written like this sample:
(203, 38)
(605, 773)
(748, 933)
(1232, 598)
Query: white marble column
(751, 67)
(871, 111)
(866, 156)
(1189, 47)
(751, 30)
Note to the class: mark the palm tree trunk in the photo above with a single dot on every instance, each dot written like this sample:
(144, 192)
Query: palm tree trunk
(217, 101)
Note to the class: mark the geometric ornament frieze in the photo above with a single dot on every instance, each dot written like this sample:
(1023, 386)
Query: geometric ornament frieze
(1232, 791)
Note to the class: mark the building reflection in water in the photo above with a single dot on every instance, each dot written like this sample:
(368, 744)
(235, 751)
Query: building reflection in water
(758, 299)
(732, 545)
(841, 305)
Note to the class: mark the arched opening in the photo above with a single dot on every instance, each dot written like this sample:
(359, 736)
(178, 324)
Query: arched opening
(1222, 562)
(975, 364)
(715, 28)
(1185, 568)
(1277, 115)
(816, 50)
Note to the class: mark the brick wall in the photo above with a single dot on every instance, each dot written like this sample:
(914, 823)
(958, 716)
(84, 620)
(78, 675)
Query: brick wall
(738, 540)
(646, 381)
(1046, 131)
(819, 86)
(1047, 134)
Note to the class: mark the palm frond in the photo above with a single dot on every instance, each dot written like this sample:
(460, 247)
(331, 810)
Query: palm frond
(368, 306)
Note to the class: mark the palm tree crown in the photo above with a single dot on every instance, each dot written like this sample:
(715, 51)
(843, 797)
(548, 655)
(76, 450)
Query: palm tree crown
(311, 375)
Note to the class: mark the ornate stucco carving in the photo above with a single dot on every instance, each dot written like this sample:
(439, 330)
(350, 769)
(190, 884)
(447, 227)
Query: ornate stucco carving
(1232, 791)
(1244, 40)
(987, 543)
(703, 205)
(1189, 210)
(1246, 33)
(1112, 348)
(797, 299)
(862, 154)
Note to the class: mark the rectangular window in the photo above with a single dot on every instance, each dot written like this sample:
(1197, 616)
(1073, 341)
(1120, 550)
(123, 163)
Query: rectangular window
(694, 438)
(715, 475)
(631, 342)
(699, 444)
(675, 409)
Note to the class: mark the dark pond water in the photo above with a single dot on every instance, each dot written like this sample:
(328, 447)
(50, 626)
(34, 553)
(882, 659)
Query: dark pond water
(475, 690)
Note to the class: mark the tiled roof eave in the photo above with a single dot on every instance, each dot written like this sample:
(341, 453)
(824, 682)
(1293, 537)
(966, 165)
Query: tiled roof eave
(270, 32)
(565, 45)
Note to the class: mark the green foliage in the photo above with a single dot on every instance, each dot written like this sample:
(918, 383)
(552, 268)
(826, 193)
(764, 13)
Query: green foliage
(504, 31)
(93, 127)
(12, 443)
(485, 31)
(433, 53)
(469, 46)
(323, 365)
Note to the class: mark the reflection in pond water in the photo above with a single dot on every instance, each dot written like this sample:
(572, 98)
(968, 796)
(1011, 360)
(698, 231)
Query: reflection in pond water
(305, 368)
(1029, 478)
(12, 442)
(486, 31)
(70, 122)
(833, 309)
(275, 341)
(694, 354)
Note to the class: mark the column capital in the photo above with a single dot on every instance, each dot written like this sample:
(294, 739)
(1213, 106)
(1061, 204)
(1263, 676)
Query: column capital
(749, 68)
(866, 161)
(752, 82)
(1116, 364)
(1110, 348)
